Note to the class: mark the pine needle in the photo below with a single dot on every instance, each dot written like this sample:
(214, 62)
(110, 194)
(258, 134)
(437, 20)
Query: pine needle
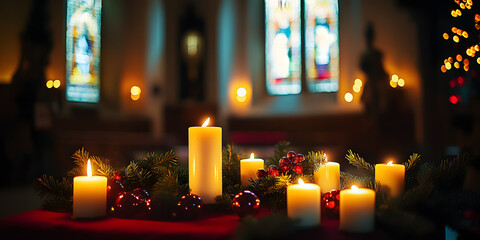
(412, 162)
(359, 162)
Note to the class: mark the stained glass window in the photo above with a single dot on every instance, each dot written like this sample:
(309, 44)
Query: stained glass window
(283, 46)
(83, 50)
(321, 45)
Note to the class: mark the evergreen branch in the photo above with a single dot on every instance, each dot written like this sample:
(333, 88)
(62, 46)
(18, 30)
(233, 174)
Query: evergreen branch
(349, 179)
(80, 158)
(231, 166)
(47, 186)
(359, 162)
(168, 159)
(317, 158)
(412, 162)
(281, 149)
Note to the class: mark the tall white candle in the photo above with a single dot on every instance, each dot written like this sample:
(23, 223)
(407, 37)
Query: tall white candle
(249, 167)
(303, 203)
(357, 210)
(89, 195)
(205, 161)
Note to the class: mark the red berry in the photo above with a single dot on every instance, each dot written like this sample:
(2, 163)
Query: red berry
(283, 161)
(299, 158)
(273, 173)
(261, 173)
(285, 168)
(298, 169)
(291, 155)
(271, 168)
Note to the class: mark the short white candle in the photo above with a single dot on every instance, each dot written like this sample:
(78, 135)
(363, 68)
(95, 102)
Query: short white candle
(357, 210)
(303, 203)
(89, 195)
(391, 176)
(328, 176)
(249, 167)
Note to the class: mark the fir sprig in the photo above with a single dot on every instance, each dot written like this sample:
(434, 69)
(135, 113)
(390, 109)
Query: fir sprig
(359, 162)
(316, 158)
(231, 157)
(280, 150)
(412, 162)
(57, 193)
(80, 158)
(349, 179)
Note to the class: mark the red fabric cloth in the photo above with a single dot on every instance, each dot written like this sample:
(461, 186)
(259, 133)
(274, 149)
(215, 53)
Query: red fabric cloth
(40, 224)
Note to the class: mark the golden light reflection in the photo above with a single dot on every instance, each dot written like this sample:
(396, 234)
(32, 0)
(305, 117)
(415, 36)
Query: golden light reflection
(456, 65)
(395, 77)
(401, 82)
(445, 36)
(56, 83)
(356, 88)
(393, 84)
(443, 69)
(456, 39)
(358, 82)
(49, 84)
(348, 97)
(459, 57)
(448, 65)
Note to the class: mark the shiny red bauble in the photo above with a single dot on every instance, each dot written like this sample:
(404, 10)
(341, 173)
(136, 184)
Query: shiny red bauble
(331, 203)
(189, 207)
(291, 155)
(299, 158)
(261, 173)
(245, 203)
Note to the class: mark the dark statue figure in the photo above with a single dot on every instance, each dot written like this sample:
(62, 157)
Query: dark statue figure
(30, 96)
(376, 84)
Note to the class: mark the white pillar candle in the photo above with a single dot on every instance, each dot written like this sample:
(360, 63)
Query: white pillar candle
(205, 161)
(89, 195)
(391, 176)
(303, 203)
(328, 177)
(249, 167)
(357, 210)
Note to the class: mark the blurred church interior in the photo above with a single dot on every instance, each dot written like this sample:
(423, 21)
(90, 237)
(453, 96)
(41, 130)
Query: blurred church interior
(391, 79)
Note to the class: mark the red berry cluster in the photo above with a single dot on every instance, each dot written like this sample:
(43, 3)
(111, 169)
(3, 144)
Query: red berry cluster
(291, 162)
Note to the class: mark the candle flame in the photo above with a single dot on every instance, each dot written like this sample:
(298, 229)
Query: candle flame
(325, 156)
(89, 168)
(300, 181)
(390, 163)
(354, 188)
(206, 122)
(252, 156)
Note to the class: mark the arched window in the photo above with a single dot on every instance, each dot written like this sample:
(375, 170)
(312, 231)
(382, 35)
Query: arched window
(285, 33)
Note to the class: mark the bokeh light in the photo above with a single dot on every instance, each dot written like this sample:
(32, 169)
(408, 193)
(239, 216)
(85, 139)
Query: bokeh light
(49, 84)
(135, 90)
(56, 83)
(401, 82)
(393, 84)
(348, 97)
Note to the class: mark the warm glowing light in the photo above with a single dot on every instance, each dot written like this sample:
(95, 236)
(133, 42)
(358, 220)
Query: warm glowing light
(393, 84)
(452, 83)
(466, 68)
(460, 81)
(465, 34)
(390, 163)
(206, 122)
(445, 36)
(465, 61)
(358, 82)
(453, 99)
(354, 188)
(448, 65)
(401, 82)
(477, 48)
(49, 84)
(478, 60)
(477, 18)
(252, 156)
(456, 39)
(450, 59)
(56, 83)
(395, 77)
(356, 88)
(477, 26)
(454, 30)
(443, 69)
(459, 57)
(89, 168)
(135, 90)
(241, 92)
(459, 13)
(459, 31)
(300, 181)
(454, 13)
(348, 97)
(456, 65)
(134, 97)
(462, 5)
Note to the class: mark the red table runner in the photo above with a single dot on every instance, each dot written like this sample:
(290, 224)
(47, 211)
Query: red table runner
(41, 224)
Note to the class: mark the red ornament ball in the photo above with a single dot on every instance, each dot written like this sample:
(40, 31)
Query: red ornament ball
(144, 198)
(272, 167)
(189, 206)
(261, 173)
(245, 203)
(114, 189)
(331, 203)
(119, 176)
(299, 158)
(291, 155)
(298, 169)
(285, 168)
(284, 161)
(127, 205)
(273, 173)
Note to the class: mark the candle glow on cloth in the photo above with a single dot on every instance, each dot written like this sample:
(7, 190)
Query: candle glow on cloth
(357, 210)
(89, 195)
(391, 176)
(328, 176)
(205, 161)
(303, 203)
(249, 167)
